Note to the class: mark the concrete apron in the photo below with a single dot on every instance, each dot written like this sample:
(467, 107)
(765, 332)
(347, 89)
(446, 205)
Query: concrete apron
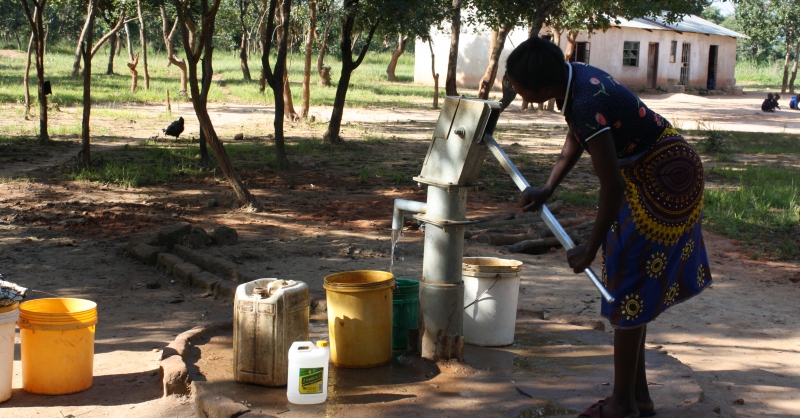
(551, 370)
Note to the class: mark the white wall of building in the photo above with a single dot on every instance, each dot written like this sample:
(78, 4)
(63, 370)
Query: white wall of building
(606, 53)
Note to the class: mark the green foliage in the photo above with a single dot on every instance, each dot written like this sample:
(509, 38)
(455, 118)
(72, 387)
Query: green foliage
(766, 21)
(713, 14)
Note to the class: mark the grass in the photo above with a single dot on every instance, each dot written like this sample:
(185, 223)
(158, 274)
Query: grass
(759, 76)
(758, 205)
(369, 84)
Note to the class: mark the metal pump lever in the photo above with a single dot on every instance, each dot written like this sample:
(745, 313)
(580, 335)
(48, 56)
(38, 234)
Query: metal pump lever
(547, 217)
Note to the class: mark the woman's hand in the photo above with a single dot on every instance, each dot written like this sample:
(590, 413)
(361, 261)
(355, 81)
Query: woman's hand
(579, 259)
(530, 200)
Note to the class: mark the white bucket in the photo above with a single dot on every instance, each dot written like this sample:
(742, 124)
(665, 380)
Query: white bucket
(491, 292)
(8, 321)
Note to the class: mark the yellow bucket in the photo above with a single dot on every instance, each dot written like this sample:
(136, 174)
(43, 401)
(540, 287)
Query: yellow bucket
(57, 345)
(360, 317)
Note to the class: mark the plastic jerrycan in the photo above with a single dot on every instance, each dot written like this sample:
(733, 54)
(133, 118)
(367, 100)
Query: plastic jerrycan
(308, 372)
(269, 315)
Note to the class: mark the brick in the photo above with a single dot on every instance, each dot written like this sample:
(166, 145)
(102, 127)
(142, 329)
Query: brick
(205, 280)
(184, 271)
(226, 290)
(222, 235)
(145, 253)
(166, 261)
(175, 377)
(220, 266)
(189, 255)
(173, 234)
(196, 240)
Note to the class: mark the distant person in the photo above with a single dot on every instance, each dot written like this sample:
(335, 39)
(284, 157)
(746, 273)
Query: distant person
(769, 103)
(793, 102)
(775, 99)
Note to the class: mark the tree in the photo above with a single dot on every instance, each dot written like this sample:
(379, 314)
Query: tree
(310, 36)
(195, 49)
(34, 16)
(275, 76)
(329, 10)
(452, 58)
(361, 18)
(766, 20)
(243, 5)
(351, 9)
(143, 42)
(713, 14)
(168, 43)
(417, 24)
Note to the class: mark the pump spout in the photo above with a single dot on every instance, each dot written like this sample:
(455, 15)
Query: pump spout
(401, 206)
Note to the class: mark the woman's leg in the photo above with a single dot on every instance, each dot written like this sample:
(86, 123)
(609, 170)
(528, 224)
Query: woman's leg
(627, 346)
(642, 393)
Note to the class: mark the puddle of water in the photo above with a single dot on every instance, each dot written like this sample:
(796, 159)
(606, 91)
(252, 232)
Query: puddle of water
(545, 409)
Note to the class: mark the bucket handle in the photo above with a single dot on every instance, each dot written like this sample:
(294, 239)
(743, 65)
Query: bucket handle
(272, 287)
(496, 279)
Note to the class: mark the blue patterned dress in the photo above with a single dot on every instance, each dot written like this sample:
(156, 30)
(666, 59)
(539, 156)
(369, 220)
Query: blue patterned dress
(654, 256)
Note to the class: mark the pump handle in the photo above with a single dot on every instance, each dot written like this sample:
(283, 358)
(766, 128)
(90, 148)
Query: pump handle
(547, 217)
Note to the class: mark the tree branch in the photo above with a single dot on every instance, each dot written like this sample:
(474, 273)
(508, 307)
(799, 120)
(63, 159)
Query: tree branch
(364, 48)
(112, 32)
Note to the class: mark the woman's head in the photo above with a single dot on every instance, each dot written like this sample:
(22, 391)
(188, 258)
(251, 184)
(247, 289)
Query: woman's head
(770, 96)
(777, 96)
(535, 68)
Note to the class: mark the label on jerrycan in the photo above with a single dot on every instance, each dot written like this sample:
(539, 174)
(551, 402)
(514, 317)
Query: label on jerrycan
(310, 381)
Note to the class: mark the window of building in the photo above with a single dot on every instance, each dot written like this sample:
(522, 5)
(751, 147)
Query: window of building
(581, 53)
(630, 54)
(673, 51)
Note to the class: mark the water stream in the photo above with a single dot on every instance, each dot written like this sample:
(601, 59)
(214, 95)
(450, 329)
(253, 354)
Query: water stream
(396, 234)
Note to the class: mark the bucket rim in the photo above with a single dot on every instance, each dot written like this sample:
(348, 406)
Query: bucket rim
(30, 317)
(494, 265)
(388, 281)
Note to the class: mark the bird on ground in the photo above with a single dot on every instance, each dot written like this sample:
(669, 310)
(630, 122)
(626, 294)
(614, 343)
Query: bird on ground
(175, 128)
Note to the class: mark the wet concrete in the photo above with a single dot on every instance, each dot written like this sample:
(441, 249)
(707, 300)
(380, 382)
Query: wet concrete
(551, 370)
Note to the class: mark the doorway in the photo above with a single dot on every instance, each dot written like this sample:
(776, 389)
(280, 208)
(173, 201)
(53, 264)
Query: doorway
(685, 54)
(652, 66)
(711, 84)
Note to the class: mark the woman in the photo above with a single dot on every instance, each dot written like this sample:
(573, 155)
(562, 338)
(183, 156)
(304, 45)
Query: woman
(648, 218)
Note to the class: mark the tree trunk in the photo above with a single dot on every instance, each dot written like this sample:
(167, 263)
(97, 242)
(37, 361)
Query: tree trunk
(170, 47)
(348, 66)
(243, 46)
(496, 47)
(402, 41)
(119, 45)
(86, 52)
(289, 113)
(128, 42)
(435, 77)
(794, 67)
(76, 65)
(323, 70)
(112, 48)
(39, 39)
(312, 24)
(275, 77)
(134, 74)
(143, 41)
(572, 36)
(789, 46)
(452, 58)
(26, 80)
(19, 41)
(200, 98)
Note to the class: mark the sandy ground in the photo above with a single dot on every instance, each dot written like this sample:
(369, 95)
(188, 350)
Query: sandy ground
(740, 337)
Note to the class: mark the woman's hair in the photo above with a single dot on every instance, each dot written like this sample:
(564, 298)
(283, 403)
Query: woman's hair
(537, 63)
(770, 96)
(777, 96)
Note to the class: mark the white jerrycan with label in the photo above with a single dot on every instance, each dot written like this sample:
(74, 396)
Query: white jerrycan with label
(269, 315)
(308, 372)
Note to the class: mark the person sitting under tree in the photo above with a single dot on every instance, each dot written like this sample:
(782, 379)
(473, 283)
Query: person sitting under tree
(649, 211)
(793, 102)
(769, 103)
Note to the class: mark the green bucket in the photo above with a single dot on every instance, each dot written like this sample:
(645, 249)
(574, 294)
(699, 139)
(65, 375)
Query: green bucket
(405, 312)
